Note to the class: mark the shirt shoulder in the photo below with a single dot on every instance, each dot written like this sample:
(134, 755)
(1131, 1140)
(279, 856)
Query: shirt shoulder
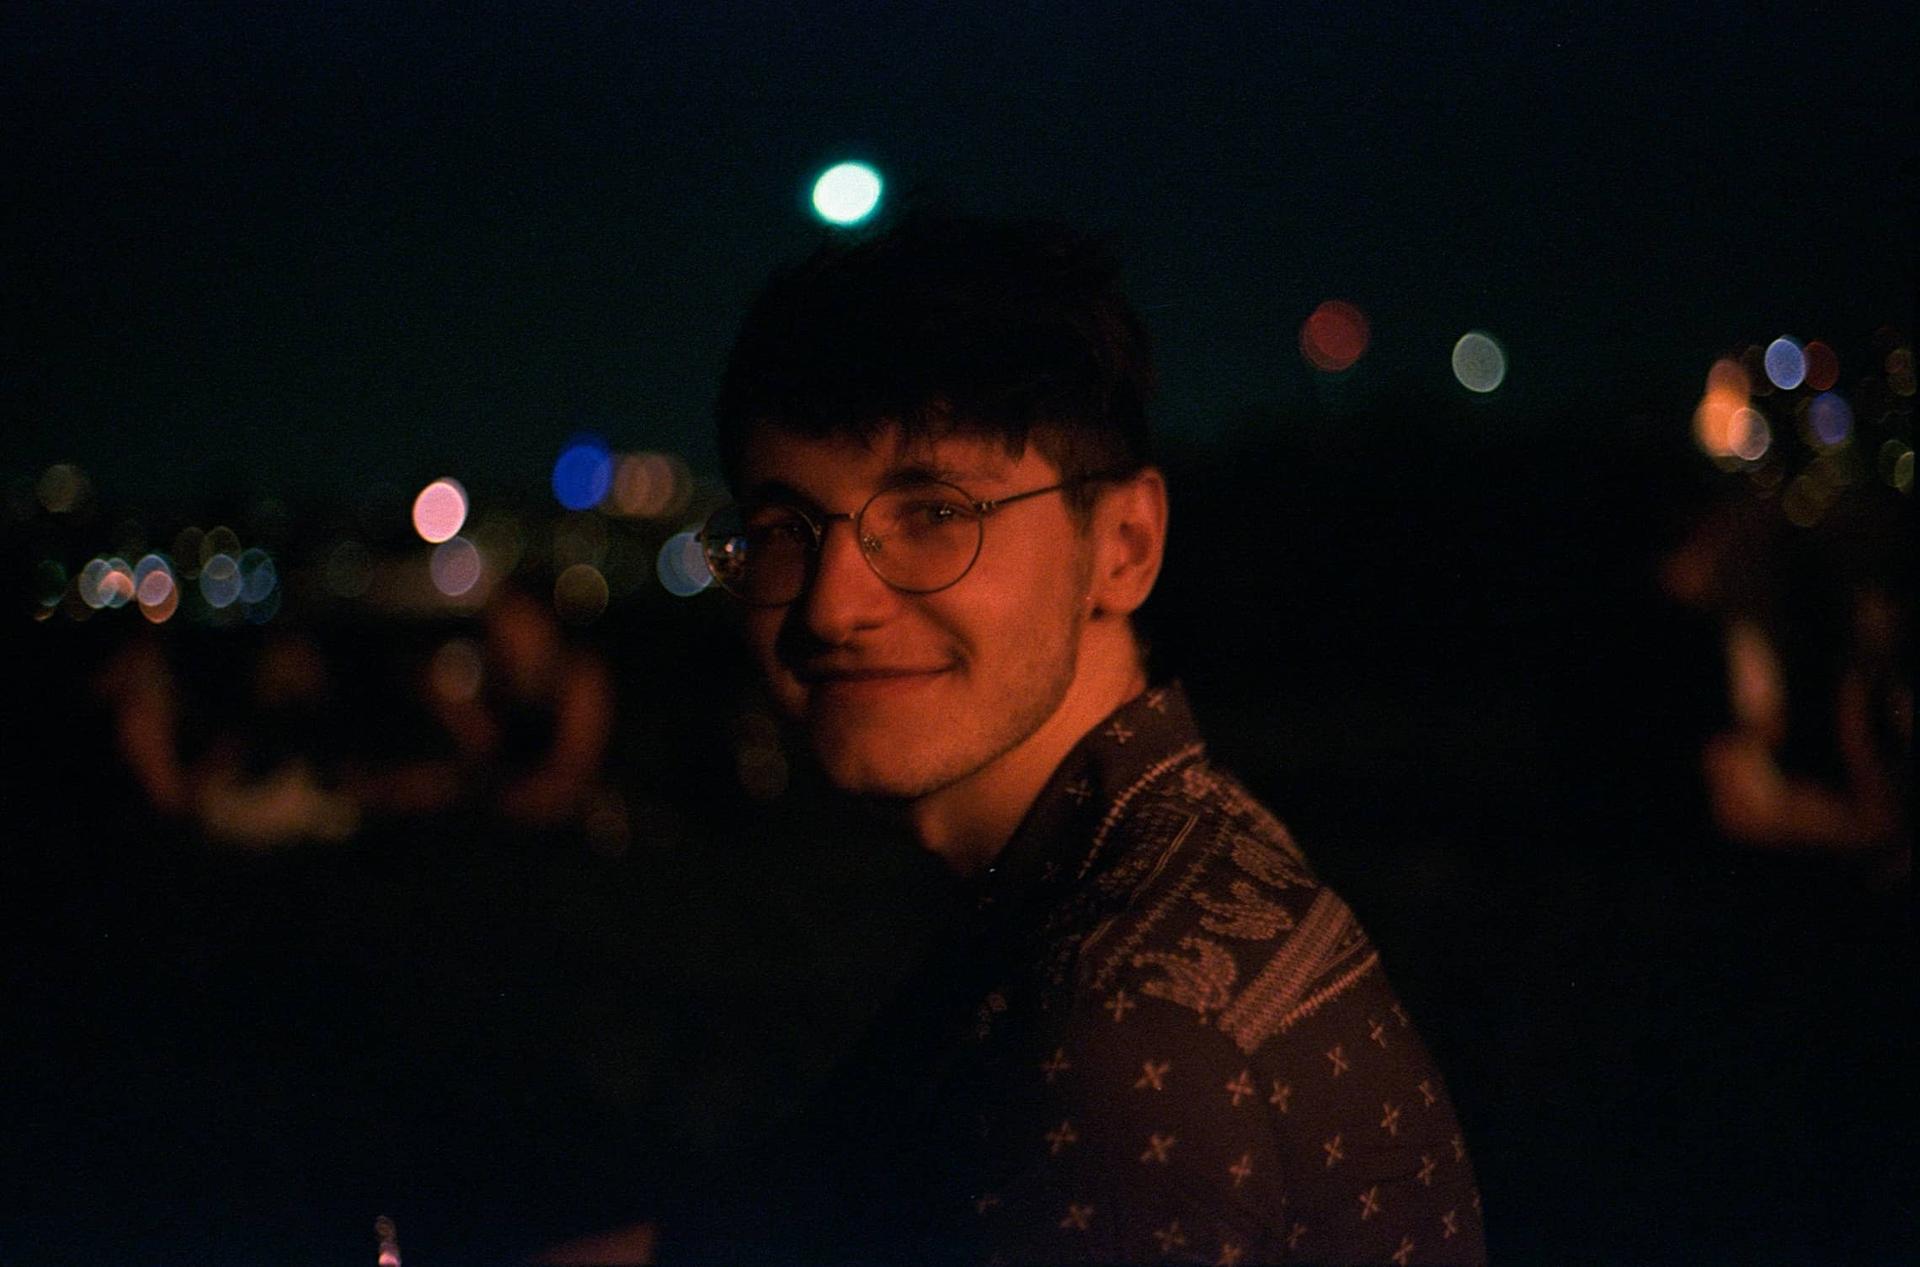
(1210, 905)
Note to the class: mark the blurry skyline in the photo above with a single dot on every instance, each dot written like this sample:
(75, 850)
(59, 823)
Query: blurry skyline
(317, 249)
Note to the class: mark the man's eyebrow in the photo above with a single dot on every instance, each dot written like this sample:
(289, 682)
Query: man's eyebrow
(920, 471)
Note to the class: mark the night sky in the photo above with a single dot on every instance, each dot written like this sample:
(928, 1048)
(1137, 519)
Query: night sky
(324, 246)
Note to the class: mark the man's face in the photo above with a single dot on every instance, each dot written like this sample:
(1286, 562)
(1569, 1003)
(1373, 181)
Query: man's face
(902, 695)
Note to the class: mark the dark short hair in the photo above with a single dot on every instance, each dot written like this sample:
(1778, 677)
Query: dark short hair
(947, 325)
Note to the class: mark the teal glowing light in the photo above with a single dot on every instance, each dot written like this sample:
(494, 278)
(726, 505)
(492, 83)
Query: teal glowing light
(847, 193)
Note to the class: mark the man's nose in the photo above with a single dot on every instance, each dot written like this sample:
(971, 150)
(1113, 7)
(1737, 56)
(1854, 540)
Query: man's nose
(844, 595)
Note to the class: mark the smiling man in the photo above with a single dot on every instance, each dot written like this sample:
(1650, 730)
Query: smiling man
(1160, 1038)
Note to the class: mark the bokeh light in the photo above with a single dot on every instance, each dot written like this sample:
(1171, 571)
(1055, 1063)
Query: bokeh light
(583, 473)
(1823, 366)
(1805, 501)
(106, 583)
(457, 671)
(651, 485)
(455, 567)
(62, 488)
(580, 594)
(1899, 366)
(220, 581)
(220, 540)
(846, 193)
(155, 587)
(682, 565)
(1334, 336)
(440, 510)
(1786, 363)
(49, 582)
(1479, 362)
(1902, 474)
(1725, 397)
(266, 609)
(1830, 419)
(258, 576)
(1748, 435)
(146, 568)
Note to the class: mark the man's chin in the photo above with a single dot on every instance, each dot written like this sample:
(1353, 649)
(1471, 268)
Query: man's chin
(865, 766)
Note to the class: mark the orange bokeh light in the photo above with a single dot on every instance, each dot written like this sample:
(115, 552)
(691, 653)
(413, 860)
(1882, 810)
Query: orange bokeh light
(1715, 419)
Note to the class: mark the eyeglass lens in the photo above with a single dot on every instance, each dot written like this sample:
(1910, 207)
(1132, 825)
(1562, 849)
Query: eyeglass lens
(918, 538)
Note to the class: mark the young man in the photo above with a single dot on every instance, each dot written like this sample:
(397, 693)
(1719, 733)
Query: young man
(1162, 1039)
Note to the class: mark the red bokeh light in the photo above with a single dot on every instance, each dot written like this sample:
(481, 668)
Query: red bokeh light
(1823, 366)
(1334, 336)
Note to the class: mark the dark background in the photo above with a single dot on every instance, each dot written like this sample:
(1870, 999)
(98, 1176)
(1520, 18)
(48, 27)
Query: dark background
(293, 263)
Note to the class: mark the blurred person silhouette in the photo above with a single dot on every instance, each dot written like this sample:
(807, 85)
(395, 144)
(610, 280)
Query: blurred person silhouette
(139, 686)
(269, 776)
(529, 713)
(1816, 752)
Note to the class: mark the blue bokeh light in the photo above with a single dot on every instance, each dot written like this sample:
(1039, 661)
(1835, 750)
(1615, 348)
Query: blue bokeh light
(1786, 363)
(220, 581)
(583, 473)
(1831, 418)
(258, 576)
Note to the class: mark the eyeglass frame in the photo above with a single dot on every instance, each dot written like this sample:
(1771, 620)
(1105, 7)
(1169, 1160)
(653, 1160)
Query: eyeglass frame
(818, 523)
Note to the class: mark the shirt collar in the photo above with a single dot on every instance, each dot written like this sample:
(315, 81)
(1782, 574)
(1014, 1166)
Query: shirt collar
(1060, 841)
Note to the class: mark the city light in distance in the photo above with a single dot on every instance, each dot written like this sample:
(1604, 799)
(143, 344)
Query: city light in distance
(1786, 363)
(1748, 435)
(63, 487)
(1479, 362)
(1830, 419)
(106, 583)
(440, 510)
(220, 581)
(1720, 422)
(846, 193)
(456, 567)
(583, 473)
(1334, 336)
(580, 594)
(1823, 366)
(651, 486)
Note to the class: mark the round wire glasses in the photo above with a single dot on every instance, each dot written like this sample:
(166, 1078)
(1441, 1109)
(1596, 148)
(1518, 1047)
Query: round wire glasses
(919, 538)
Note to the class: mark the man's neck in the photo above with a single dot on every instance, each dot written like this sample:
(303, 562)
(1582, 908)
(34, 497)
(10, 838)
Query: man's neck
(968, 823)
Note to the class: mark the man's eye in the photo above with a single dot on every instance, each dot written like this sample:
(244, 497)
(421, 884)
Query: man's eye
(777, 530)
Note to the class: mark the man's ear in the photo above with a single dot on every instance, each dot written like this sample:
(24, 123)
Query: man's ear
(1130, 540)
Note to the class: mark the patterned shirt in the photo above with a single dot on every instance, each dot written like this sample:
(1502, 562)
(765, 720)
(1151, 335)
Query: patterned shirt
(1161, 1040)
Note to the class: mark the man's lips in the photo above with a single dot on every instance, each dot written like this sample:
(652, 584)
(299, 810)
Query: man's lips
(815, 675)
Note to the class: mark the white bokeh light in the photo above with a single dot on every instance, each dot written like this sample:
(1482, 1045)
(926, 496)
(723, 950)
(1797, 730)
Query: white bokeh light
(846, 193)
(1479, 362)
